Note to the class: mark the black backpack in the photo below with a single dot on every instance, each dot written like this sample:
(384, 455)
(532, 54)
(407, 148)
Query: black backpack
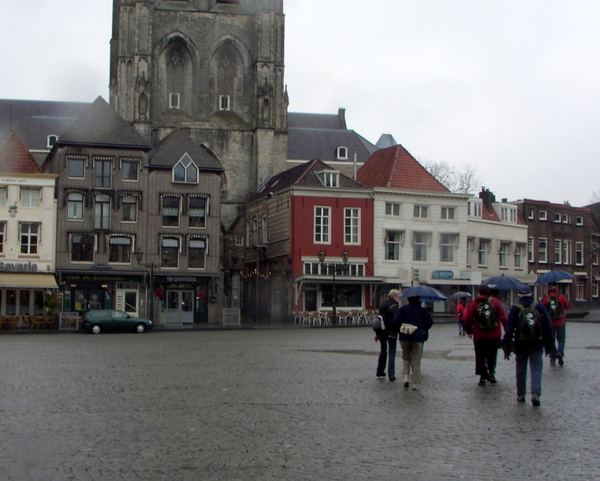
(555, 308)
(486, 315)
(529, 323)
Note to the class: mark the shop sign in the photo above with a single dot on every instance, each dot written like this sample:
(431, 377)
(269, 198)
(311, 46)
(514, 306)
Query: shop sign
(181, 279)
(100, 267)
(442, 275)
(18, 266)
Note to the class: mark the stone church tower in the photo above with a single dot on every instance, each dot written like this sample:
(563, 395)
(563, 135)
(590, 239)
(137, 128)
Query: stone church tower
(214, 68)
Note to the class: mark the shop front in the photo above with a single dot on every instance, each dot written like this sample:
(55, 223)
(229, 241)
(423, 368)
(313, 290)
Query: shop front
(23, 289)
(184, 299)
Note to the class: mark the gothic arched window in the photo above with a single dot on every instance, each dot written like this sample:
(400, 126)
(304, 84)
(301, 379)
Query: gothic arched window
(185, 170)
(226, 73)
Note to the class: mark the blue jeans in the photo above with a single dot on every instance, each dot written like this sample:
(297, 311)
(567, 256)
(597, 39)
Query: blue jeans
(560, 334)
(387, 354)
(534, 356)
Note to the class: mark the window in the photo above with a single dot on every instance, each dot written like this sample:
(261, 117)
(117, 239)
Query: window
(594, 288)
(557, 217)
(543, 215)
(530, 250)
(129, 208)
(170, 252)
(239, 240)
(2, 236)
(557, 251)
(170, 211)
(566, 252)
(119, 250)
(352, 226)
(224, 102)
(263, 230)
(51, 140)
(82, 248)
(579, 290)
(578, 220)
(542, 250)
(129, 170)
(508, 214)
(474, 209)
(579, 253)
(470, 249)
(102, 212)
(29, 238)
(485, 245)
(102, 173)
(329, 179)
(197, 212)
(322, 224)
(503, 254)
(342, 153)
(185, 170)
(174, 100)
(566, 218)
(420, 211)
(75, 206)
(420, 243)
(197, 254)
(531, 213)
(75, 167)
(3, 192)
(594, 253)
(448, 213)
(30, 198)
(519, 250)
(392, 209)
(447, 247)
(393, 240)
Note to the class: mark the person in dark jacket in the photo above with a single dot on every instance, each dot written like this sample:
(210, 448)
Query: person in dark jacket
(485, 341)
(388, 338)
(413, 323)
(558, 324)
(528, 351)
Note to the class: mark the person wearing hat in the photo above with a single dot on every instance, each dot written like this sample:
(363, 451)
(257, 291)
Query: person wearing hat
(557, 306)
(528, 333)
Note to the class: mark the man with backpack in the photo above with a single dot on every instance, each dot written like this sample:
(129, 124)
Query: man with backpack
(557, 306)
(528, 334)
(484, 319)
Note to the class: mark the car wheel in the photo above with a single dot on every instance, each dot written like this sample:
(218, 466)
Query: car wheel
(96, 329)
(140, 328)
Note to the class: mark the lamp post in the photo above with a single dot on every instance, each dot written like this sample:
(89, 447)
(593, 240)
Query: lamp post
(321, 255)
(150, 265)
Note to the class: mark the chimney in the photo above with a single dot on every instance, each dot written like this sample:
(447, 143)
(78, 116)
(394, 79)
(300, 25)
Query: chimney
(342, 118)
(487, 197)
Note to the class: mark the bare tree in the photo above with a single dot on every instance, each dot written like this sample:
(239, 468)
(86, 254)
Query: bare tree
(460, 181)
(595, 197)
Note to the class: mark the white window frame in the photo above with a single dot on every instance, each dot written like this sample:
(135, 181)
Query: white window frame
(542, 251)
(579, 220)
(342, 153)
(393, 209)
(393, 243)
(448, 213)
(531, 250)
(566, 257)
(448, 244)
(557, 217)
(484, 248)
(519, 249)
(225, 103)
(31, 198)
(32, 238)
(503, 253)
(543, 215)
(129, 205)
(421, 242)
(420, 211)
(558, 251)
(352, 225)
(531, 213)
(579, 254)
(322, 225)
(71, 203)
(174, 100)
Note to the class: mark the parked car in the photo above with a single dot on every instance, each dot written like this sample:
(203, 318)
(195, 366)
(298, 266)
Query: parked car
(100, 320)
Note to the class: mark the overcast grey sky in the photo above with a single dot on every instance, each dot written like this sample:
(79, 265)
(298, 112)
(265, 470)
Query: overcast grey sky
(509, 86)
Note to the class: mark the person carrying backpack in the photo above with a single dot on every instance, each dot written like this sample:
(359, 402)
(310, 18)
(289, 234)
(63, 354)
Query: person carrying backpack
(388, 337)
(528, 334)
(557, 306)
(484, 320)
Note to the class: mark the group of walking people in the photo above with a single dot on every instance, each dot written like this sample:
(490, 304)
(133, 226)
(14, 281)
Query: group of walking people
(529, 330)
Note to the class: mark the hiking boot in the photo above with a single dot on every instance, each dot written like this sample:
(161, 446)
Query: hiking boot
(535, 400)
(561, 361)
(481, 381)
(521, 398)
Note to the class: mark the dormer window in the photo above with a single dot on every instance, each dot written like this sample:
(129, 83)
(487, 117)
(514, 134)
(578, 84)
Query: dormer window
(329, 178)
(51, 140)
(185, 171)
(342, 153)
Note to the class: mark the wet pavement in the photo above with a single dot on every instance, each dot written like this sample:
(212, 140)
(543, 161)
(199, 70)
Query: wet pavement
(293, 404)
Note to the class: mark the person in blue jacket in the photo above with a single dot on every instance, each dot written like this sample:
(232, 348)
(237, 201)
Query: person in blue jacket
(528, 350)
(413, 322)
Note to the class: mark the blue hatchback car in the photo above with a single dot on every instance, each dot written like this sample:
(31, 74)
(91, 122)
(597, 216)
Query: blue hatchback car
(101, 320)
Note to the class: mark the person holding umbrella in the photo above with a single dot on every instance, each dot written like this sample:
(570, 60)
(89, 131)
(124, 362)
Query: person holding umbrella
(557, 306)
(461, 308)
(484, 320)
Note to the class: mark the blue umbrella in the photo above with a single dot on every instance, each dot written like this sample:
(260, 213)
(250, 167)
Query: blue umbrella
(554, 276)
(426, 293)
(503, 283)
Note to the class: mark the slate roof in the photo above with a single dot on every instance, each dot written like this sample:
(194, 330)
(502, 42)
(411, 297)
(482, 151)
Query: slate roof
(395, 167)
(317, 136)
(100, 125)
(304, 175)
(15, 157)
(175, 145)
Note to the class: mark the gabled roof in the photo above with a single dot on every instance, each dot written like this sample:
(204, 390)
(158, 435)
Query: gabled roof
(395, 167)
(101, 125)
(15, 157)
(304, 175)
(178, 143)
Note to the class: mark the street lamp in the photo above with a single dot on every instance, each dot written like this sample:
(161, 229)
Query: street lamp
(150, 265)
(321, 256)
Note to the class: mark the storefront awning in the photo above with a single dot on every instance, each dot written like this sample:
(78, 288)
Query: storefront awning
(27, 281)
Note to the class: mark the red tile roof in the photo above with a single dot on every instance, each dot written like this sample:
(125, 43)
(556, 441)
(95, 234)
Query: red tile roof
(395, 167)
(15, 157)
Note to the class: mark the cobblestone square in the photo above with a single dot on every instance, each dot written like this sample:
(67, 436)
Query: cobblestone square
(297, 404)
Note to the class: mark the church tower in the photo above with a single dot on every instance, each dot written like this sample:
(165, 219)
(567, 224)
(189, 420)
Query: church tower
(214, 68)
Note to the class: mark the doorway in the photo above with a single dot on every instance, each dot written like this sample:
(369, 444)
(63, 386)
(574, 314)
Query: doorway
(180, 307)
